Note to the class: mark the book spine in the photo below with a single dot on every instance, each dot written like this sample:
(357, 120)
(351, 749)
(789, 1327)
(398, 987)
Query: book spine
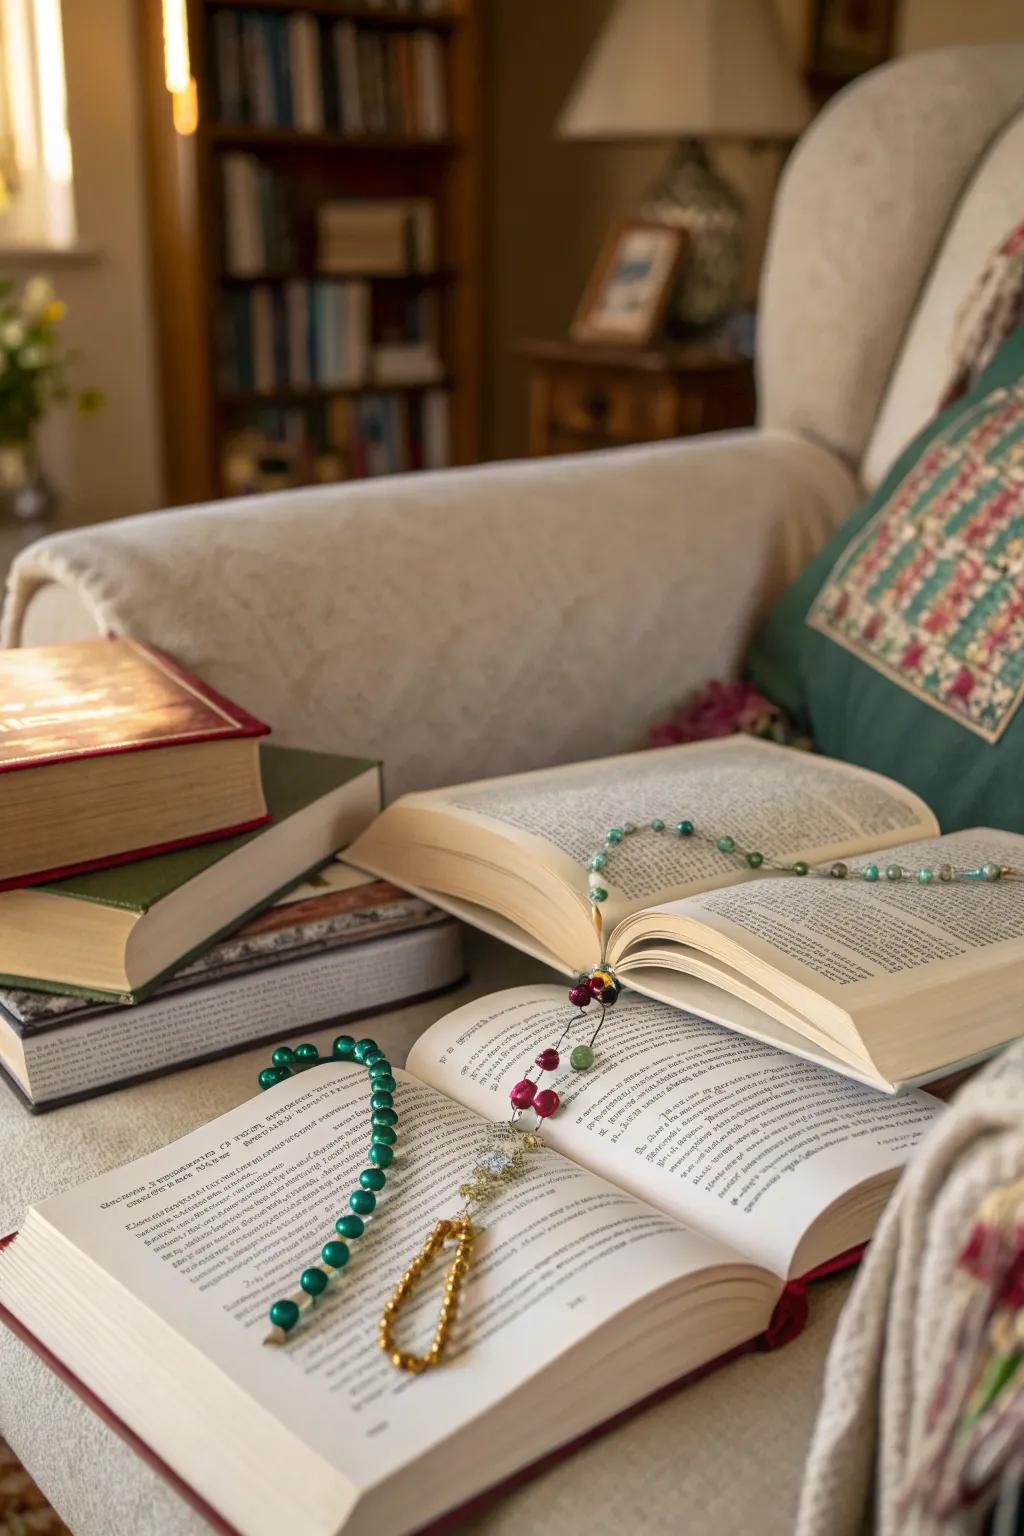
(80, 1059)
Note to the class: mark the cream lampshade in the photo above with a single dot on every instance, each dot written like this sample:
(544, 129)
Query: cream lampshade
(688, 71)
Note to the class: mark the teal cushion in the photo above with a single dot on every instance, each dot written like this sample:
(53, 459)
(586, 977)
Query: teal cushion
(901, 647)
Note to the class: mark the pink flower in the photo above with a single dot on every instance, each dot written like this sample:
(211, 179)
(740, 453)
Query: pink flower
(722, 709)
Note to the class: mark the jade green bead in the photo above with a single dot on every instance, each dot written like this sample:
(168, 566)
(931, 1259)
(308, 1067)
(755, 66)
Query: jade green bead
(628, 828)
(894, 872)
(582, 1058)
(684, 828)
(350, 1226)
(800, 868)
(598, 863)
(283, 1056)
(615, 835)
(344, 1048)
(385, 1135)
(385, 1083)
(335, 1255)
(991, 871)
(313, 1282)
(381, 1155)
(725, 844)
(372, 1058)
(755, 860)
(598, 894)
(373, 1178)
(362, 1201)
(384, 1117)
(657, 825)
(364, 1047)
(381, 1100)
(871, 873)
(271, 1076)
(306, 1052)
(284, 1314)
(925, 876)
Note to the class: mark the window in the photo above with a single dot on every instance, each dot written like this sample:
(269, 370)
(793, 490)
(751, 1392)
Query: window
(37, 210)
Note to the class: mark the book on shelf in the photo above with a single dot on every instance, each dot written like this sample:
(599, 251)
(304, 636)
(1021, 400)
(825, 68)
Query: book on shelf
(115, 933)
(338, 946)
(110, 750)
(693, 1183)
(377, 235)
(296, 335)
(892, 983)
(315, 74)
(256, 226)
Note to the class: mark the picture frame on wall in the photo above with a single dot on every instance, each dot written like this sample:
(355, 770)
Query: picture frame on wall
(628, 292)
(849, 37)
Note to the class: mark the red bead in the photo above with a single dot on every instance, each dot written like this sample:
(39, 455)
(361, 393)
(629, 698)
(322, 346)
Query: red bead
(580, 996)
(548, 1060)
(522, 1094)
(595, 986)
(546, 1103)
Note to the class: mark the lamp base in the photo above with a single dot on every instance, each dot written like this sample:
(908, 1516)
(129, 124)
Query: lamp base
(691, 195)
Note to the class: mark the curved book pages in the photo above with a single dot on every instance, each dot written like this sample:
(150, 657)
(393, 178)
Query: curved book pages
(690, 1177)
(891, 984)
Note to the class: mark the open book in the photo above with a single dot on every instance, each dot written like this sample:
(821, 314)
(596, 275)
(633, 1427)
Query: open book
(892, 984)
(689, 1176)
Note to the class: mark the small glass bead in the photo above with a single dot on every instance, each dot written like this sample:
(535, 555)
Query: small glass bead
(344, 1048)
(657, 825)
(598, 862)
(945, 872)
(800, 868)
(271, 1076)
(628, 828)
(283, 1056)
(380, 1155)
(598, 894)
(839, 871)
(364, 1047)
(384, 1135)
(383, 1083)
(313, 1282)
(755, 860)
(284, 1314)
(725, 844)
(373, 1178)
(350, 1226)
(594, 880)
(335, 1255)
(684, 828)
(580, 995)
(381, 1100)
(925, 876)
(548, 1060)
(615, 835)
(992, 871)
(870, 873)
(582, 1058)
(307, 1052)
(373, 1059)
(894, 872)
(384, 1117)
(381, 1067)
(546, 1102)
(523, 1094)
(362, 1201)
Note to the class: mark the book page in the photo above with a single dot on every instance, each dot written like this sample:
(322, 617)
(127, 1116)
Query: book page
(786, 803)
(744, 1141)
(208, 1232)
(848, 939)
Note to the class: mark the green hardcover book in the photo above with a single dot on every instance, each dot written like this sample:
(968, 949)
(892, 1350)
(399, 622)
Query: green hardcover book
(115, 934)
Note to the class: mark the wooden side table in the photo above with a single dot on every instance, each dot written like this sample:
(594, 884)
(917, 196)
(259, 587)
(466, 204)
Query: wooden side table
(585, 396)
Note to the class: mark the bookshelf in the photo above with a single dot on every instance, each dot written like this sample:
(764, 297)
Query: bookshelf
(206, 307)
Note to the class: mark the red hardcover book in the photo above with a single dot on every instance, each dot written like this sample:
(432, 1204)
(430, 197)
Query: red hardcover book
(110, 751)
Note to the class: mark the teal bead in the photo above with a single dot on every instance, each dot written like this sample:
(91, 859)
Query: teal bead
(925, 876)
(582, 1058)
(725, 845)
(870, 873)
(372, 1058)
(313, 1282)
(598, 894)
(628, 828)
(271, 1076)
(350, 1226)
(384, 1117)
(364, 1047)
(684, 828)
(755, 860)
(894, 872)
(373, 1178)
(615, 835)
(381, 1068)
(657, 825)
(283, 1056)
(385, 1083)
(598, 863)
(384, 1135)
(991, 871)
(362, 1201)
(284, 1314)
(344, 1048)
(381, 1155)
(307, 1053)
(335, 1255)
(800, 868)
(381, 1100)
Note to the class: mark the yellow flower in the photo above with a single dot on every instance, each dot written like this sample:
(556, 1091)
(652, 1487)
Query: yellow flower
(54, 312)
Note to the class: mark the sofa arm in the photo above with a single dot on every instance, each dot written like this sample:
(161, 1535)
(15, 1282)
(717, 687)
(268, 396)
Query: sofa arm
(465, 623)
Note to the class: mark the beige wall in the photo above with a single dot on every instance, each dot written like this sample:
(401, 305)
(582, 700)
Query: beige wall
(941, 23)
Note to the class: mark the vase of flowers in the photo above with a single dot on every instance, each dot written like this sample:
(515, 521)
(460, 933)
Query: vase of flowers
(34, 367)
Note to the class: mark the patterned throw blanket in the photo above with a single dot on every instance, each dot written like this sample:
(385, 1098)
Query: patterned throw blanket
(921, 1427)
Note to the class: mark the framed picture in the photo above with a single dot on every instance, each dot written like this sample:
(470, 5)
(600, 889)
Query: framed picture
(625, 300)
(849, 37)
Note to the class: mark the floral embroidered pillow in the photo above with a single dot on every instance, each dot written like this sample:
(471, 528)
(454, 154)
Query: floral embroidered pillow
(901, 647)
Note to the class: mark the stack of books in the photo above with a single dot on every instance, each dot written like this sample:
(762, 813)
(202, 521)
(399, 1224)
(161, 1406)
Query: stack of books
(295, 70)
(151, 911)
(378, 234)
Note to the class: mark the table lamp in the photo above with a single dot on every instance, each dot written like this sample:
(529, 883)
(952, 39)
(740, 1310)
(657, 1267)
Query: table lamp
(689, 71)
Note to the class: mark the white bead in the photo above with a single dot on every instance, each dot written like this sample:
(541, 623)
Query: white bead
(595, 880)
